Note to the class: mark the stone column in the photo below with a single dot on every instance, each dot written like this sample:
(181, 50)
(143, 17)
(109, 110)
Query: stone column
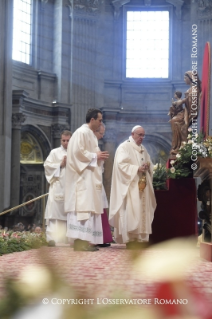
(56, 131)
(17, 120)
(5, 100)
(110, 146)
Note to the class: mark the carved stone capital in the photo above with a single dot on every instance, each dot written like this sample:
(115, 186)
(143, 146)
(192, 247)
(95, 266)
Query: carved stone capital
(17, 120)
(58, 128)
(117, 6)
(90, 7)
(178, 5)
(204, 8)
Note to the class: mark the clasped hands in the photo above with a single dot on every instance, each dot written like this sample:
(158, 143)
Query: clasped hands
(143, 168)
(63, 163)
(102, 155)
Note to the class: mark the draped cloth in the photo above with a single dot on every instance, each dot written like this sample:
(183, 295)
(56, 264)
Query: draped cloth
(54, 213)
(83, 190)
(205, 98)
(131, 211)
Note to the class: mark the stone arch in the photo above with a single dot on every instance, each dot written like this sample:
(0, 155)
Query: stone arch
(40, 137)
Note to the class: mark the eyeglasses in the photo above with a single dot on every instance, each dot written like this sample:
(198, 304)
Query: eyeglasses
(141, 135)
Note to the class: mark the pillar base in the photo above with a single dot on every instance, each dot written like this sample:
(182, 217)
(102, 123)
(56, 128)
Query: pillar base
(206, 251)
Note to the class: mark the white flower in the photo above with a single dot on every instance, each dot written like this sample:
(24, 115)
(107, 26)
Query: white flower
(178, 155)
(190, 142)
(184, 143)
(189, 136)
(172, 170)
(172, 162)
(155, 166)
(189, 129)
(196, 135)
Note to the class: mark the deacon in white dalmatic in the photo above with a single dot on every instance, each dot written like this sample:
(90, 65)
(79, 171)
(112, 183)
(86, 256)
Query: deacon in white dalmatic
(83, 190)
(132, 199)
(55, 168)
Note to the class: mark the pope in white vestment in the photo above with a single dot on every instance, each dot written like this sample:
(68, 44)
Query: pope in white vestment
(55, 168)
(83, 190)
(132, 211)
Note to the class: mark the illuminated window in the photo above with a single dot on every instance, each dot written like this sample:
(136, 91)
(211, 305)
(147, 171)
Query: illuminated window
(22, 25)
(147, 44)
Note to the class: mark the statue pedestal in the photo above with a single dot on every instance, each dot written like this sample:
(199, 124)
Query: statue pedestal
(206, 251)
(176, 211)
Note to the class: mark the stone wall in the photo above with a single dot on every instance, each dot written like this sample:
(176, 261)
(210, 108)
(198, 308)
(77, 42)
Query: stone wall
(77, 63)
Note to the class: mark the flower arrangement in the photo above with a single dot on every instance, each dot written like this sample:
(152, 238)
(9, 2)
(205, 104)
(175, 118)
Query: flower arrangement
(19, 241)
(197, 145)
(182, 165)
(159, 176)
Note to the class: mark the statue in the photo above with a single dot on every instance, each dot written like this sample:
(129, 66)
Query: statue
(176, 105)
(181, 118)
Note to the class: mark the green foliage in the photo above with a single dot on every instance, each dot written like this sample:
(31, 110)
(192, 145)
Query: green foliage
(19, 241)
(159, 176)
(181, 166)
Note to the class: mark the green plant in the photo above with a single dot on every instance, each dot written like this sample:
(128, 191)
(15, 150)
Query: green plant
(159, 176)
(196, 144)
(19, 241)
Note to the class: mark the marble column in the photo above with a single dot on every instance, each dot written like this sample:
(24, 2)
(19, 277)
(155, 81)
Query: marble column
(5, 101)
(17, 120)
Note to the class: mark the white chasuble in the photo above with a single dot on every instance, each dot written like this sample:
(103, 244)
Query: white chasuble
(83, 191)
(131, 212)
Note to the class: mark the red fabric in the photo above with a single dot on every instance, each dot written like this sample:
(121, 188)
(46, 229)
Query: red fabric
(204, 112)
(107, 236)
(176, 212)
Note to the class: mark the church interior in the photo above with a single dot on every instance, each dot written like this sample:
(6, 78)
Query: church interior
(59, 58)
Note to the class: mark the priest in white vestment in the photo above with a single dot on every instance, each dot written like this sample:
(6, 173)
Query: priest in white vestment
(55, 168)
(132, 211)
(83, 190)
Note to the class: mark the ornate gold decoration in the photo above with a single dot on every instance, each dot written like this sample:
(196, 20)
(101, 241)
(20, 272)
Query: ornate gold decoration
(26, 148)
(142, 182)
(31, 151)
